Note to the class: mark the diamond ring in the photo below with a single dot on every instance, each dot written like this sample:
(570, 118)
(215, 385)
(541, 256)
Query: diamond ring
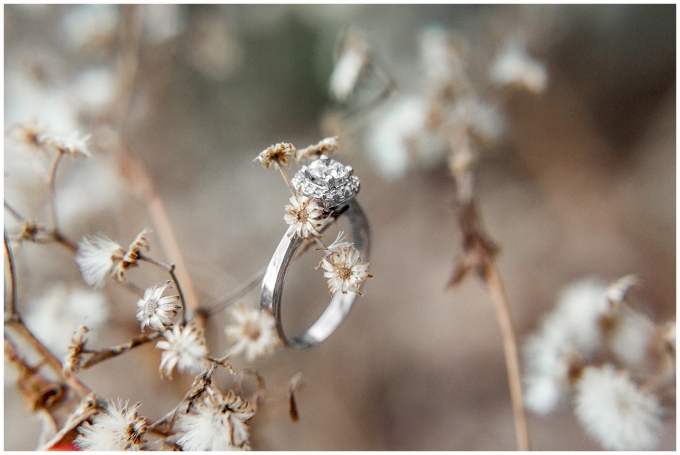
(334, 187)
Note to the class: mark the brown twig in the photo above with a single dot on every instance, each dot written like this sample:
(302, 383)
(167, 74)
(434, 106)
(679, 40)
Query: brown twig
(12, 298)
(114, 351)
(285, 176)
(51, 188)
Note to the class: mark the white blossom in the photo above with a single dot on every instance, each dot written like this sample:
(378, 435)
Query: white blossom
(156, 311)
(74, 144)
(305, 216)
(184, 347)
(117, 428)
(514, 66)
(97, 257)
(253, 332)
(344, 270)
(614, 411)
(216, 422)
(630, 336)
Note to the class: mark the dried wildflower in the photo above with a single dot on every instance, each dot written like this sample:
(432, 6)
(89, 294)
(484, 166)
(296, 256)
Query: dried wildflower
(277, 154)
(579, 309)
(155, 311)
(97, 256)
(185, 348)
(629, 334)
(253, 332)
(217, 422)
(338, 244)
(442, 60)
(323, 147)
(71, 363)
(74, 144)
(345, 270)
(305, 216)
(514, 67)
(132, 255)
(28, 135)
(118, 427)
(613, 410)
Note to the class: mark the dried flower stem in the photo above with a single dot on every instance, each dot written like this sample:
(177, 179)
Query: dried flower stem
(114, 351)
(12, 298)
(497, 290)
(128, 61)
(52, 191)
(285, 176)
(18, 325)
(136, 174)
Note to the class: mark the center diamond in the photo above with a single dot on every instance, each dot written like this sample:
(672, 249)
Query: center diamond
(328, 181)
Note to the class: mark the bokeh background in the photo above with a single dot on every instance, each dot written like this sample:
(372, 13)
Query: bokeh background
(581, 184)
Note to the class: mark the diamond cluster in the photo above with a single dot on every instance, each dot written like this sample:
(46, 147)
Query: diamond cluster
(328, 181)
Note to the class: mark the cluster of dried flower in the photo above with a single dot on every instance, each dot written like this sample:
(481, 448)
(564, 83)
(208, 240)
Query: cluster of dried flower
(613, 360)
(306, 219)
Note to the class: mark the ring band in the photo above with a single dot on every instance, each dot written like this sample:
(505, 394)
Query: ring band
(340, 304)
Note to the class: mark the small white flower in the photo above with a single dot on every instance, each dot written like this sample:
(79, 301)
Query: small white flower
(579, 309)
(345, 270)
(305, 216)
(118, 427)
(338, 244)
(613, 410)
(155, 311)
(217, 422)
(278, 153)
(514, 66)
(97, 257)
(73, 144)
(253, 332)
(185, 348)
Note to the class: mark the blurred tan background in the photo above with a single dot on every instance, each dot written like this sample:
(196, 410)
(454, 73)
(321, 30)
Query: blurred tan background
(582, 184)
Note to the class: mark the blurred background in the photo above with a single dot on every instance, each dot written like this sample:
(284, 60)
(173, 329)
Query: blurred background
(578, 182)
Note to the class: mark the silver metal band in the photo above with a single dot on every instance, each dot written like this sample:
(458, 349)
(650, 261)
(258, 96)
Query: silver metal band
(337, 310)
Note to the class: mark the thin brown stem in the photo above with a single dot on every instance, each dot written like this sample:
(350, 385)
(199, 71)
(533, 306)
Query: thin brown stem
(14, 212)
(285, 176)
(17, 324)
(51, 188)
(115, 351)
(500, 300)
(170, 268)
(12, 298)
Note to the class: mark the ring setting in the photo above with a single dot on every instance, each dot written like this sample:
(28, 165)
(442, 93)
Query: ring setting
(333, 186)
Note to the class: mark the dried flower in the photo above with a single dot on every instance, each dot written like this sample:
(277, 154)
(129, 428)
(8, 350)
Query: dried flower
(338, 244)
(185, 348)
(71, 363)
(613, 410)
(253, 332)
(97, 256)
(116, 428)
(305, 216)
(514, 66)
(72, 144)
(155, 311)
(217, 422)
(323, 147)
(132, 255)
(345, 270)
(275, 154)
(629, 334)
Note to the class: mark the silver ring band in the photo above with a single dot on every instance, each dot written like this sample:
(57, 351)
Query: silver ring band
(337, 310)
